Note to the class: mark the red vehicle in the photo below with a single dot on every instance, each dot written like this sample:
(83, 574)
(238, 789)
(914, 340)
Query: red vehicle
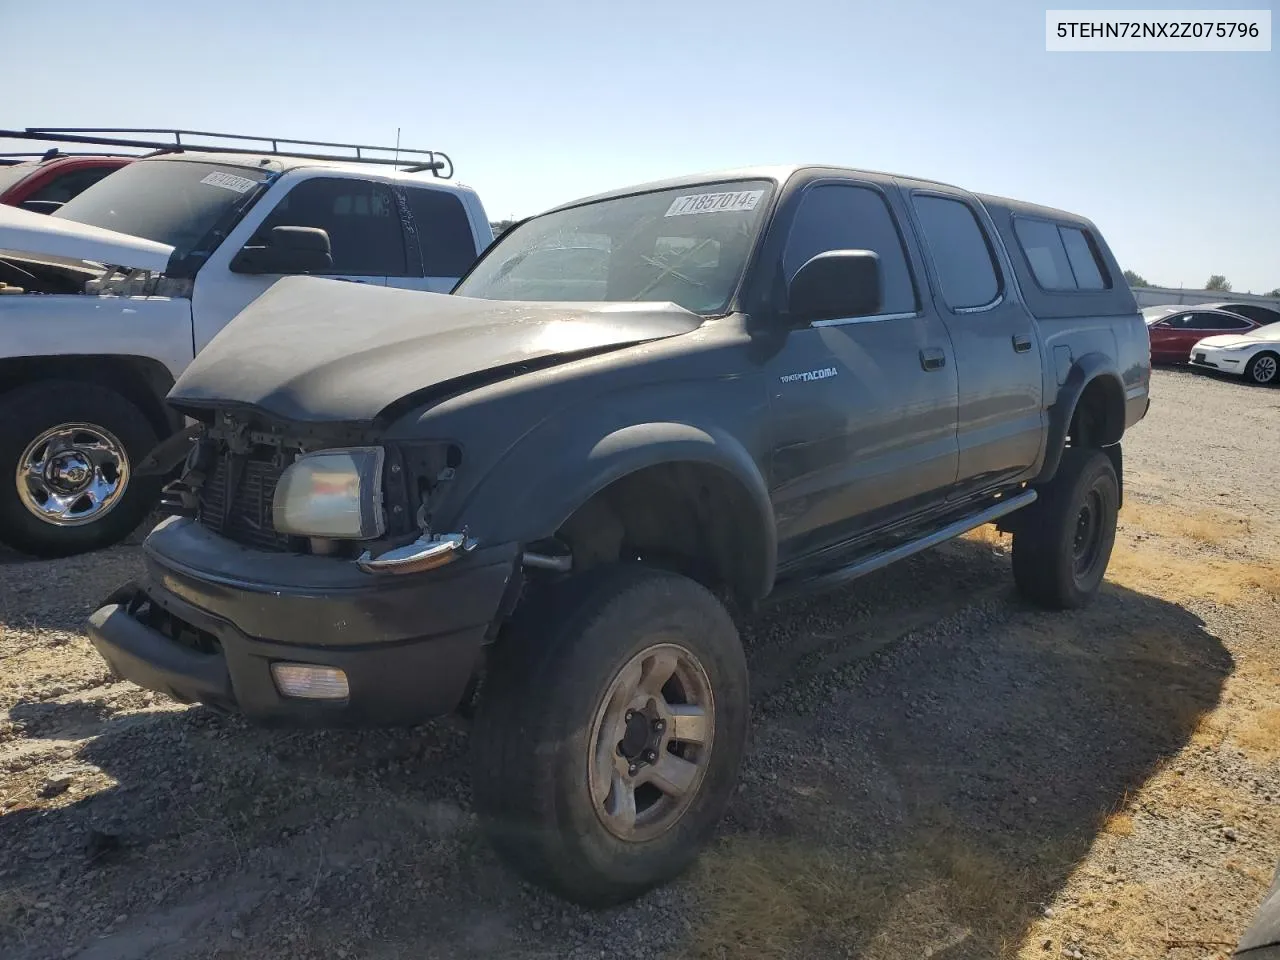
(49, 180)
(1175, 330)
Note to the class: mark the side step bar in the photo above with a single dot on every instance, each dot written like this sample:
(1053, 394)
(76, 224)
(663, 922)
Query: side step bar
(865, 565)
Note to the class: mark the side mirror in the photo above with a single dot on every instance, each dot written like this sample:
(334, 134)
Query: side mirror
(835, 285)
(289, 250)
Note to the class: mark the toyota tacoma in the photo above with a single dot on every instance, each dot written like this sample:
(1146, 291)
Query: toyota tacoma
(546, 497)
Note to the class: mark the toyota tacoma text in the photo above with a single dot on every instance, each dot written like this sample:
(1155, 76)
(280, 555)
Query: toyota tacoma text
(542, 497)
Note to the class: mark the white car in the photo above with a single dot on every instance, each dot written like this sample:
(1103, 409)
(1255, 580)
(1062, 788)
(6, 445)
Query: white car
(105, 302)
(1254, 355)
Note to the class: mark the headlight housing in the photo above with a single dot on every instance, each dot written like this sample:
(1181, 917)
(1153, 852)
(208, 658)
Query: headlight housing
(335, 494)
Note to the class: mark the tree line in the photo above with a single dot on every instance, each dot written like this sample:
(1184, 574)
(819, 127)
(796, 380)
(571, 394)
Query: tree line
(1215, 282)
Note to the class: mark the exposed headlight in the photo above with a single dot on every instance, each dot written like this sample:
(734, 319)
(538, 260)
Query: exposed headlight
(332, 493)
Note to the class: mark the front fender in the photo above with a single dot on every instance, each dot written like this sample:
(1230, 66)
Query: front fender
(1089, 369)
(539, 484)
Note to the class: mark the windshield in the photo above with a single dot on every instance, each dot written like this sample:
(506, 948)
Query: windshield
(1269, 332)
(177, 202)
(687, 245)
(1152, 314)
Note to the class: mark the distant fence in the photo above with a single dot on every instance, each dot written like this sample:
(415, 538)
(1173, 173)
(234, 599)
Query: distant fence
(1158, 296)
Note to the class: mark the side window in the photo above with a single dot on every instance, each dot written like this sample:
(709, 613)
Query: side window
(1042, 244)
(70, 184)
(1214, 321)
(837, 217)
(1085, 262)
(364, 227)
(960, 250)
(1061, 257)
(444, 233)
(1181, 322)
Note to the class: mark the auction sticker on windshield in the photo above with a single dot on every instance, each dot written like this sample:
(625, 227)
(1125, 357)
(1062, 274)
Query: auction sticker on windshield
(229, 181)
(733, 202)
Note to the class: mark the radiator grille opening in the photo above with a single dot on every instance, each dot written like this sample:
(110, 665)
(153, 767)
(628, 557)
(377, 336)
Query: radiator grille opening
(244, 514)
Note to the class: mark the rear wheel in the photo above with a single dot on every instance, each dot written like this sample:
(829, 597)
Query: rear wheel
(609, 734)
(67, 451)
(1062, 543)
(1264, 368)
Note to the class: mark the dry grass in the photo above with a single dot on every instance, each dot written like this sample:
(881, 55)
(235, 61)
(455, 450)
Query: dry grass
(1175, 577)
(1119, 824)
(767, 899)
(1259, 734)
(989, 535)
(1209, 527)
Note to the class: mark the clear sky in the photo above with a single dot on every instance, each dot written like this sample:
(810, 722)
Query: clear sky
(1176, 156)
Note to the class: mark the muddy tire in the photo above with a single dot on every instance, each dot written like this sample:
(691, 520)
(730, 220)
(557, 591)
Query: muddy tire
(1062, 542)
(609, 733)
(67, 452)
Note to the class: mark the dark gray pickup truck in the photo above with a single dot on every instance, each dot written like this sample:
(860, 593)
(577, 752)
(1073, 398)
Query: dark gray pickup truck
(539, 498)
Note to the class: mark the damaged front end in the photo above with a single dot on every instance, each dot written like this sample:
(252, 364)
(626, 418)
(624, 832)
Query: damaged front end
(329, 490)
(278, 588)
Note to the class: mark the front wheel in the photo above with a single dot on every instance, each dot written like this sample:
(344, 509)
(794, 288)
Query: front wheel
(609, 734)
(1062, 542)
(67, 451)
(1264, 368)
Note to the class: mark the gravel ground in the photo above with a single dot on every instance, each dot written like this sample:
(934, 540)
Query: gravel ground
(936, 769)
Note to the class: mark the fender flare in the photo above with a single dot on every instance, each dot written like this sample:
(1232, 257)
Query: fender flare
(1084, 372)
(506, 508)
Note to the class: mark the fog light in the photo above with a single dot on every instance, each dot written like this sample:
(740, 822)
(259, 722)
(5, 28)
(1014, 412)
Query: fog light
(309, 681)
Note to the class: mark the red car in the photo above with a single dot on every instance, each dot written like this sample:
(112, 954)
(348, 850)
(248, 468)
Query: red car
(47, 182)
(1175, 330)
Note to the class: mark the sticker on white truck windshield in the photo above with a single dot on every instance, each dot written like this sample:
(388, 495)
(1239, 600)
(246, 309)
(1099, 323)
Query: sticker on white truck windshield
(229, 181)
(735, 202)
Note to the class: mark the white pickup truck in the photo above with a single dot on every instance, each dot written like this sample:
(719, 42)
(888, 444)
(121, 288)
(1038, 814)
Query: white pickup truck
(103, 303)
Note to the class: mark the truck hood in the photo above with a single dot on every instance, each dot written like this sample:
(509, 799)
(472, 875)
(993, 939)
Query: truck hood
(23, 231)
(311, 350)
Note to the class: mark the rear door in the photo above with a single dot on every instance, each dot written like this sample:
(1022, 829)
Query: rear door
(1000, 423)
(441, 243)
(366, 234)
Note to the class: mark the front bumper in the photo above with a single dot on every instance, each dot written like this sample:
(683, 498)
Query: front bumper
(209, 617)
(1220, 360)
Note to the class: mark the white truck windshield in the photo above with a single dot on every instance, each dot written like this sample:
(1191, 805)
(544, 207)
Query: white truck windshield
(177, 202)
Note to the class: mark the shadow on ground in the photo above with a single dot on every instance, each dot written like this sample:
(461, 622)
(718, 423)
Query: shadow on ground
(930, 760)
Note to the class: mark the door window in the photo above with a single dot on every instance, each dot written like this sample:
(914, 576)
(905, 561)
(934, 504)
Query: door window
(1217, 321)
(840, 217)
(444, 232)
(361, 218)
(960, 251)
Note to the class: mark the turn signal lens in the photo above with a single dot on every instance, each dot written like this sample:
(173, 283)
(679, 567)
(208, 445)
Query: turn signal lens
(309, 681)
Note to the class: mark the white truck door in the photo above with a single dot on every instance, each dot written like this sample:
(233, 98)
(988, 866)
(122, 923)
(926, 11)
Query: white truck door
(365, 234)
(441, 241)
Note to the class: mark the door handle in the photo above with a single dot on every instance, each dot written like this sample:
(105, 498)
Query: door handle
(1021, 344)
(932, 359)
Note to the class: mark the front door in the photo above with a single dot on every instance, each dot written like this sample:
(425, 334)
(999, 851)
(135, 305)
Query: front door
(366, 236)
(997, 348)
(863, 408)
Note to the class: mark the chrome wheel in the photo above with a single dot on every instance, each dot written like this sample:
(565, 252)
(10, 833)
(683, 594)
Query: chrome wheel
(72, 474)
(651, 741)
(1264, 369)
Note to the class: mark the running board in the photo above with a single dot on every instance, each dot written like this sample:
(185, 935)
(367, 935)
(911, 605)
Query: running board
(836, 578)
